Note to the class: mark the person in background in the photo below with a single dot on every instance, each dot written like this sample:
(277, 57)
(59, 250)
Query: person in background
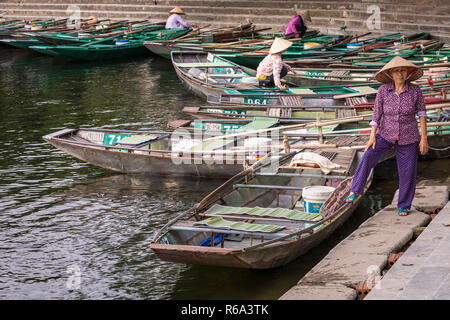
(272, 68)
(175, 21)
(394, 117)
(296, 27)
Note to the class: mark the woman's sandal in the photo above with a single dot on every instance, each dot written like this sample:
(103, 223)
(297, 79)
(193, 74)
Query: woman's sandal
(403, 212)
(350, 198)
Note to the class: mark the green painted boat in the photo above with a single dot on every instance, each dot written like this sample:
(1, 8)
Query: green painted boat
(123, 47)
(22, 43)
(164, 48)
(329, 49)
(297, 96)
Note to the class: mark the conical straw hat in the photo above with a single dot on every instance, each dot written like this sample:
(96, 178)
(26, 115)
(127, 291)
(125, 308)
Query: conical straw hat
(305, 15)
(279, 45)
(414, 72)
(176, 10)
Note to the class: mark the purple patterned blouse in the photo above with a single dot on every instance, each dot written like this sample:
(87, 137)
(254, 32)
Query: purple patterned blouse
(397, 113)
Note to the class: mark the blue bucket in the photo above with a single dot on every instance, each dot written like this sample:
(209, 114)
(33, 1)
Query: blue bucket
(122, 42)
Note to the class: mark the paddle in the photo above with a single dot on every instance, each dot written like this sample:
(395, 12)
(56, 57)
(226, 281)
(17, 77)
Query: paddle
(315, 124)
(295, 126)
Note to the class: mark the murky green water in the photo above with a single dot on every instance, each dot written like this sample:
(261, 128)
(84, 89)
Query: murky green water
(60, 217)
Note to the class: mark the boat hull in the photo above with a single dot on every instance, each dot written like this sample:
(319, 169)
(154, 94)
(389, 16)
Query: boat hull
(439, 146)
(159, 49)
(268, 257)
(153, 164)
(271, 256)
(91, 54)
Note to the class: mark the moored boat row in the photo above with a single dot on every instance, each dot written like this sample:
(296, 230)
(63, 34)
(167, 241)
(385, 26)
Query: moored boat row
(274, 145)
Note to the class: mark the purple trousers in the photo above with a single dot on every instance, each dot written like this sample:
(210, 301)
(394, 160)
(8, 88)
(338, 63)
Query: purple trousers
(406, 156)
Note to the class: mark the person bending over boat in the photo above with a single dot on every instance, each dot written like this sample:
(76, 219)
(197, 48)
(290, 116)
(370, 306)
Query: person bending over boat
(394, 125)
(175, 21)
(296, 26)
(272, 68)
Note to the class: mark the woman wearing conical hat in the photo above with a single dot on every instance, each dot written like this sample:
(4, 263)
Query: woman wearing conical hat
(175, 21)
(272, 68)
(394, 125)
(296, 26)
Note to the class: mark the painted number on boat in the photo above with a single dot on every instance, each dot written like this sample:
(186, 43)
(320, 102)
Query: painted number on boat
(316, 74)
(257, 100)
(234, 112)
(230, 127)
(216, 126)
(111, 139)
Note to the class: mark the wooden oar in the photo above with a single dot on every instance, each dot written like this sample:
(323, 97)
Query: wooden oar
(315, 124)
(296, 126)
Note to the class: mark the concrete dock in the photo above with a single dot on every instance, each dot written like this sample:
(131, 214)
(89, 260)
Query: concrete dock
(423, 271)
(364, 254)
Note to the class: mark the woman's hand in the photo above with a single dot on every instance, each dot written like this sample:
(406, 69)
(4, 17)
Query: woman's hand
(282, 88)
(423, 145)
(371, 143)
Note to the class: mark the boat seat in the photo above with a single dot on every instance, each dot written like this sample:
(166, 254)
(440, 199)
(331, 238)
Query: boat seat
(225, 75)
(301, 91)
(204, 65)
(260, 123)
(265, 212)
(257, 123)
(136, 141)
(221, 223)
(266, 186)
(267, 235)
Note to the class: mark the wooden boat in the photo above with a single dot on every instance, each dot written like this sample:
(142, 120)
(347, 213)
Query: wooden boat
(257, 219)
(59, 34)
(284, 113)
(223, 82)
(179, 153)
(125, 47)
(208, 75)
(321, 95)
(200, 44)
(250, 124)
(53, 38)
(349, 76)
(322, 51)
(206, 152)
(328, 96)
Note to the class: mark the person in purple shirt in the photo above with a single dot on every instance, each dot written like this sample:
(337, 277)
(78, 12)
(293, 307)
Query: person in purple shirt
(296, 26)
(175, 21)
(394, 124)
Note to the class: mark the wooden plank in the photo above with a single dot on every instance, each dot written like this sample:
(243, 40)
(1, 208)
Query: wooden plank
(204, 65)
(263, 186)
(189, 227)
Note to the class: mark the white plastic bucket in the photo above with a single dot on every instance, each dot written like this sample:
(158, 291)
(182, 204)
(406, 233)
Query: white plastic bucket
(314, 197)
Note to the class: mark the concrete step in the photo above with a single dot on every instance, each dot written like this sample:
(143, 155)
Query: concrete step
(438, 15)
(422, 272)
(425, 16)
(386, 7)
(434, 23)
